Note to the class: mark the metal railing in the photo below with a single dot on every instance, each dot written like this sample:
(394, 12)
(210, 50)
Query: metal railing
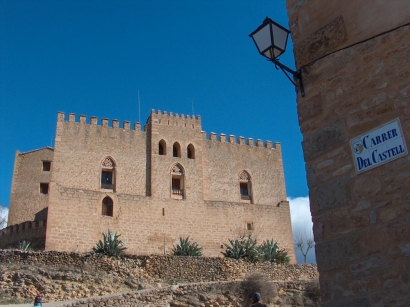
(108, 186)
(178, 192)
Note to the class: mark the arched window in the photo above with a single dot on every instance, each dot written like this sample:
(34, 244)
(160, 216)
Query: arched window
(107, 206)
(245, 187)
(162, 148)
(176, 150)
(191, 151)
(177, 181)
(108, 174)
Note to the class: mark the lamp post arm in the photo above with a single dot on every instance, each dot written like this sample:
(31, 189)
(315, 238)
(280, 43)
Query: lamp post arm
(296, 74)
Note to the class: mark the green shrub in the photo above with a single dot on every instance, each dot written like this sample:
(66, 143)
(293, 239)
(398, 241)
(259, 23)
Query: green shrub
(243, 248)
(271, 252)
(24, 245)
(247, 248)
(186, 248)
(111, 245)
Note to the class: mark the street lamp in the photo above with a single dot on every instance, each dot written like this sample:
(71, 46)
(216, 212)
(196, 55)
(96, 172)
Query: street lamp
(270, 38)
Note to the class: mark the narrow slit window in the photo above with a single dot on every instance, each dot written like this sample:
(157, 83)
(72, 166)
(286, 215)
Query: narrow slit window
(44, 188)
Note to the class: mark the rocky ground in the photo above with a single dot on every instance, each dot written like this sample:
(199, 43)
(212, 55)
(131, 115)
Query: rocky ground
(20, 283)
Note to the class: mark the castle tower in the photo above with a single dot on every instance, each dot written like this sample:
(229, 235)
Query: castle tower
(176, 153)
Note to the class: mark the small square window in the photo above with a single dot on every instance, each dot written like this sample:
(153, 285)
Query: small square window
(46, 166)
(249, 226)
(44, 188)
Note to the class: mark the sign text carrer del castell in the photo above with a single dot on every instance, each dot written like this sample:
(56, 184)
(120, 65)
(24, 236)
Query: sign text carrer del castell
(378, 146)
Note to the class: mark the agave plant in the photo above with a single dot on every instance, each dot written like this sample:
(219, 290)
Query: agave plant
(243, 248)
(24, 245)
(111, 244)
(186, 248)
(271, 252)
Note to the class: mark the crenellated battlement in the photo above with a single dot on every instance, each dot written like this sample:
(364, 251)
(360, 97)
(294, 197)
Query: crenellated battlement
(93, 121)
(23, 227)
(33, 231)
(232, 139)
(171, 119)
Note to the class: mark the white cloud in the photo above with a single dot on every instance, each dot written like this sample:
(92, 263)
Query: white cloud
(4, 212)
(300, 213)
(301, 219)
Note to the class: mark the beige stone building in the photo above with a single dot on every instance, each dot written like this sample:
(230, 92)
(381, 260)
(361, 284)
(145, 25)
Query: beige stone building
(354, 58)
(153, 186)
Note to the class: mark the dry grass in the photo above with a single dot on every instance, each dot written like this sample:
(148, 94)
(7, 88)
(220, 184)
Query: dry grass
(313, 290)
(257, 282)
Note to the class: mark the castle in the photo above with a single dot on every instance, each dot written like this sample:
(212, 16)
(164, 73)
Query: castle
(153, 186)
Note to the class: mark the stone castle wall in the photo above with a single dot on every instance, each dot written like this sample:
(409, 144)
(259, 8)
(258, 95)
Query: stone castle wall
(148, 218)
(354, 61)
(26, 201)
(264, 164)
(35, 232)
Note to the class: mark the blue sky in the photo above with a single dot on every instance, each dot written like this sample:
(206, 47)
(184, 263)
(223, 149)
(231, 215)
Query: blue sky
(92, 57)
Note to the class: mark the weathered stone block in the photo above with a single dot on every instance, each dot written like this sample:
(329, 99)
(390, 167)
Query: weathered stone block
(323, 139)
(310, 108)
(311, 175)
(331, 195)
(337, 253)
(321, 42)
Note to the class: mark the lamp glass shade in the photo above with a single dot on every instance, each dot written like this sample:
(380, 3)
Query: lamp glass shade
(262, 38)
(270, 38)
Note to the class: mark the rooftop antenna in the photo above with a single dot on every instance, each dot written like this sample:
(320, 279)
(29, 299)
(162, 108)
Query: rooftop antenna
(139, 107)
(192, 107)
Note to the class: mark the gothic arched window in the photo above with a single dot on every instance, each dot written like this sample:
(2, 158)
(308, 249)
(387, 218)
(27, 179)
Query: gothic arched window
(108, 174)
(107, 206)
(176, 150)
(191, 151)
(162, 148)
(177, 182)
(245, 186)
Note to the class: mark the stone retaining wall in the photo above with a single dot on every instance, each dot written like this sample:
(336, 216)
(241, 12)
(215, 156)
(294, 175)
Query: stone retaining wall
(170, 268)
(214, 269)
(169, 296)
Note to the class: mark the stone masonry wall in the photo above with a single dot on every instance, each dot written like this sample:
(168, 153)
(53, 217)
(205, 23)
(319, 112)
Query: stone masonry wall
(264, 165)
(184, 130)
(169, 268)
(26, 201)
(355, 68)
(35, 232)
